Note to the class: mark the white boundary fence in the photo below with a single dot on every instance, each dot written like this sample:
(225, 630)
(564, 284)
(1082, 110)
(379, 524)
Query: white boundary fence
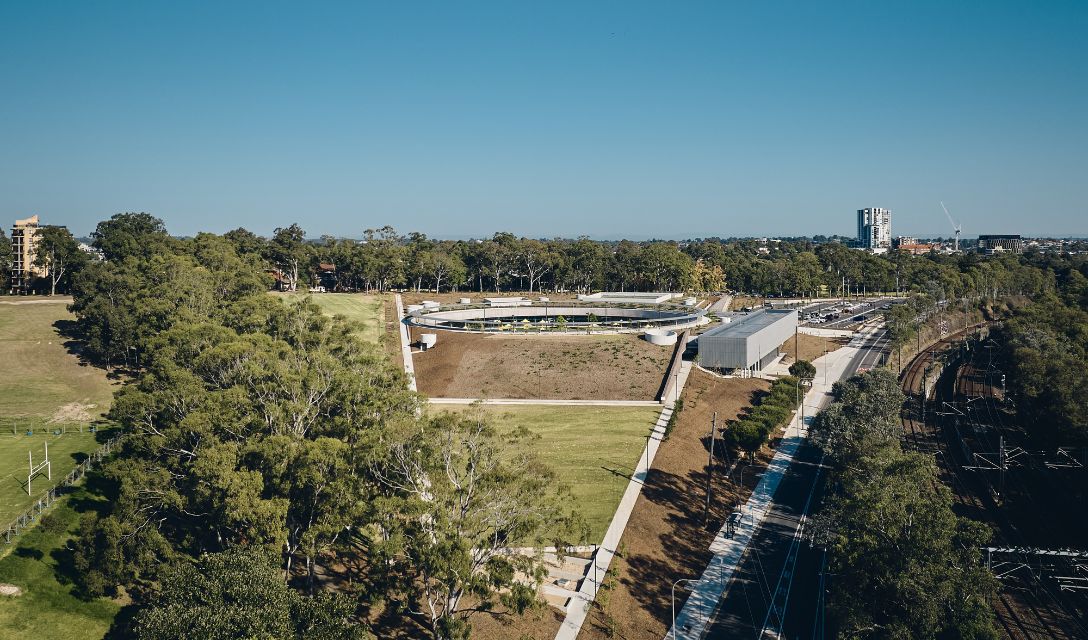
(28, 518)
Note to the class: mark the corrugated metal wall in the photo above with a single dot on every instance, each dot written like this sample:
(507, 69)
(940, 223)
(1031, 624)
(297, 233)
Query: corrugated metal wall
(741, 352)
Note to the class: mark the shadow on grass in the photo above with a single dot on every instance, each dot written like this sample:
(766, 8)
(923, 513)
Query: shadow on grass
(27, 552)
(83, 500)
(74, 343)
(123, 627)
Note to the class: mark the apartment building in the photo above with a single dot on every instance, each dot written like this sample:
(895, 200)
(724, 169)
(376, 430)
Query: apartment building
(23, 244)
(875, 229)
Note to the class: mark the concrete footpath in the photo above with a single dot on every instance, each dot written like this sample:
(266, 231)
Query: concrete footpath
(579, 606)
(547, 402)
(406, 346)
(698, 610)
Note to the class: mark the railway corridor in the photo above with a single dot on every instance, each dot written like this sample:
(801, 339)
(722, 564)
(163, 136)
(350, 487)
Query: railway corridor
(956, 411)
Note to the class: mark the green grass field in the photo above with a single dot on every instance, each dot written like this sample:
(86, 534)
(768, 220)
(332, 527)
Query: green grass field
(43, 387)
(48, 608)
(65, 451)
(594, 449)
(360, 308)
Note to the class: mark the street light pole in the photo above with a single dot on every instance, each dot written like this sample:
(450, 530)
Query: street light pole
(674, 636)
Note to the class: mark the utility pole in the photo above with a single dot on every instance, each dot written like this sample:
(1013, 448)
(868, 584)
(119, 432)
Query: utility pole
(710, 465)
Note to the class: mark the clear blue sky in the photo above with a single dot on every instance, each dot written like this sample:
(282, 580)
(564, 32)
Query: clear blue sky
(638, 119)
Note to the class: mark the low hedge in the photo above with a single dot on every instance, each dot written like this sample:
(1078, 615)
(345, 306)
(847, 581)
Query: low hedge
(753, 430)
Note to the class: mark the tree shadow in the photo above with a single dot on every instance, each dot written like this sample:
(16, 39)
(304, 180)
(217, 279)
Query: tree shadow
(683, 547)
(27, 552)
(75, 343)
(123, 627)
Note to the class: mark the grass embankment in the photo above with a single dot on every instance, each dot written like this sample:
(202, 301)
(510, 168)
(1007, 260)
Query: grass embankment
(43, 387)
(365, 310)
(48, 606)
(593, 449)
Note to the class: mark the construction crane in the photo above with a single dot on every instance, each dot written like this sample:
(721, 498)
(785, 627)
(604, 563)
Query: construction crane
(956, 227)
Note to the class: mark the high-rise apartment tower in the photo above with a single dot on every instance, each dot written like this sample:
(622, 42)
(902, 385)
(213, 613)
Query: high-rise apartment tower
(875, 228)
(24, 235)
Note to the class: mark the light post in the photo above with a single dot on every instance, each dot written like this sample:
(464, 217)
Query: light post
(674, 636)
(742, 470)
(804, 382)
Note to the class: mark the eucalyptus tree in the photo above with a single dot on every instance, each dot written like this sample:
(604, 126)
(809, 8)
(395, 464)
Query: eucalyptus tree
(465, 510)
(289, 251)
(130, 235)
(5, 261)
(238, 594)
(59, 255)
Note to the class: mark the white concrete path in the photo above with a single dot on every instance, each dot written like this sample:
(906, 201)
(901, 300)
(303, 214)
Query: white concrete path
(406, 346)
(537, 401)
(579, 606)
(692, 620)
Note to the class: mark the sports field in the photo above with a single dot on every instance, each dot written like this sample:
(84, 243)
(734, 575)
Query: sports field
(594, 449)
(363, 309)
(43, 388)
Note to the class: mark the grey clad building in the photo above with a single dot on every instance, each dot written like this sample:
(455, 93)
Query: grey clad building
(990, 244)
(748, 342)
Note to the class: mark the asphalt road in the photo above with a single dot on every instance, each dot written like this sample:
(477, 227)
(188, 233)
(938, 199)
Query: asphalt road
(869, 308)
(777, 590)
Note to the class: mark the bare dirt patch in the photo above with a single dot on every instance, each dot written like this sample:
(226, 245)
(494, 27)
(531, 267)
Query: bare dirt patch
(10, 590)
(666, 537)
(597, 367)
(73, 412)
(809, 347)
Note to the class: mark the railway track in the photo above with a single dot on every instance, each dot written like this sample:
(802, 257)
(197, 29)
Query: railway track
(971, 403)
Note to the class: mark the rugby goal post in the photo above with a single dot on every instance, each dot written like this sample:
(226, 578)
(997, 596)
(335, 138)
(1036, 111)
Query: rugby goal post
(37, 470)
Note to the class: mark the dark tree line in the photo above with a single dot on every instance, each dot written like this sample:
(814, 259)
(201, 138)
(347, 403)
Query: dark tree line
(385, 259)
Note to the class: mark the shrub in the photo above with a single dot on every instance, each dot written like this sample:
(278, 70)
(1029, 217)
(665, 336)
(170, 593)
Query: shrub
(753, 430)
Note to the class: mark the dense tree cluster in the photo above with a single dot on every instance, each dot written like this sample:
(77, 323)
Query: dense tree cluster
(259, 425)
(902, 564)
(1045, 346)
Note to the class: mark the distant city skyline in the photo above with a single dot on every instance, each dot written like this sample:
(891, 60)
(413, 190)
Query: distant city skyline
(613, 119)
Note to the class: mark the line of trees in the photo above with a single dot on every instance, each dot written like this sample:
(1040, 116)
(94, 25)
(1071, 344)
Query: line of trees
(265, 439)
(901, 563)
(386, 259)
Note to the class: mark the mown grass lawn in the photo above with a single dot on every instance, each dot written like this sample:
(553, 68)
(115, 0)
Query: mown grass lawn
(363, 309)
(48, 607)
(593, 449)
(43, 387)
(65, 452)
